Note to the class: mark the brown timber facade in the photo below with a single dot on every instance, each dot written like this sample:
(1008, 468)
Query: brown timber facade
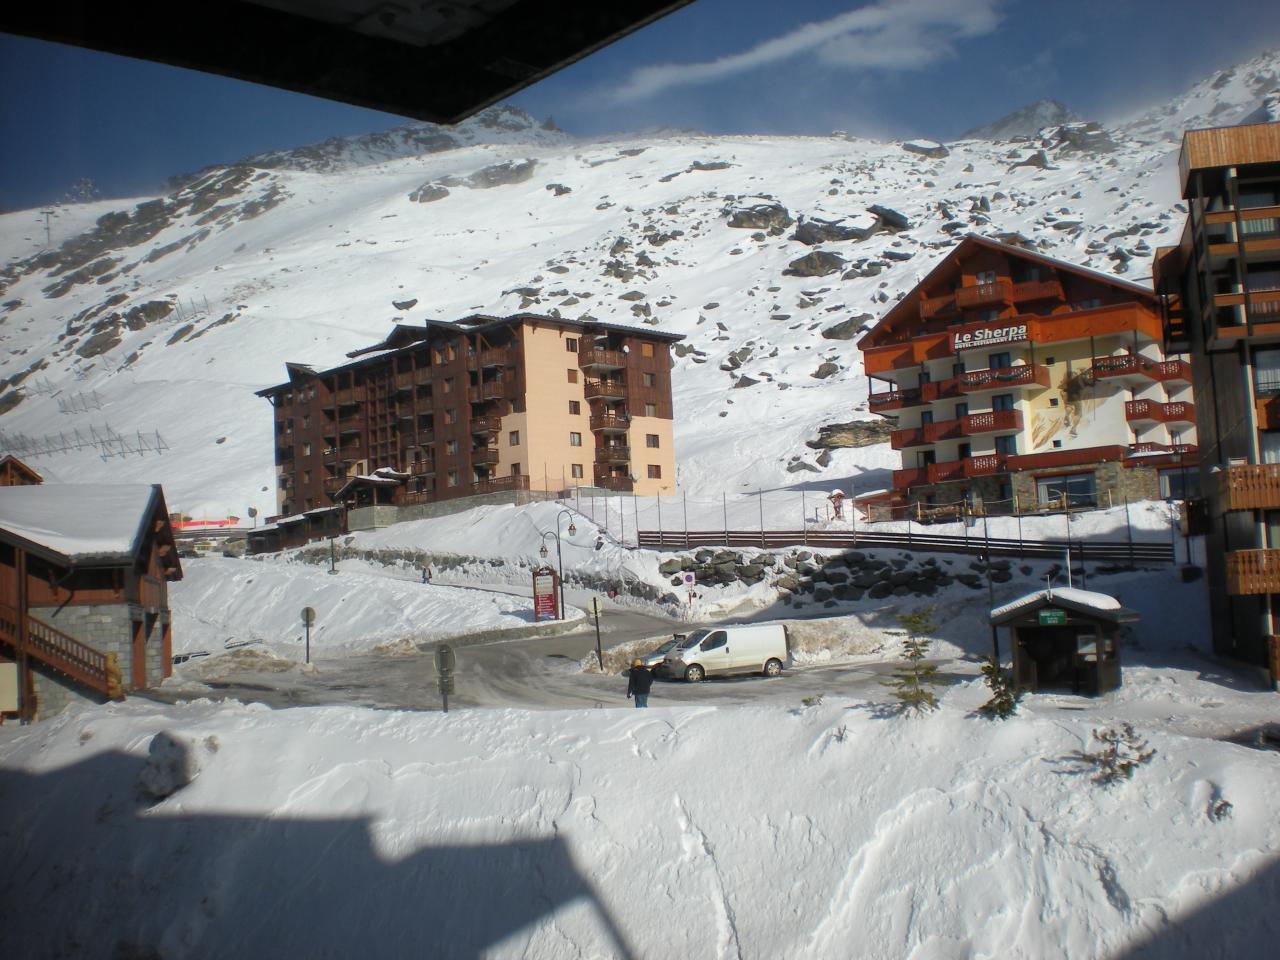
(483, 405)
(1221, 292)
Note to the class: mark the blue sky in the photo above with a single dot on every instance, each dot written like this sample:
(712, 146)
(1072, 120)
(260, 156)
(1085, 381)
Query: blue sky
(885, 68)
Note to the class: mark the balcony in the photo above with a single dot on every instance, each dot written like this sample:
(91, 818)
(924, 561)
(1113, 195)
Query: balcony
(484, 457)
(991, 422)
(1250, 486)
(497, 357)
(1148, 449)
(481, 426)
(1004, 378)
(986, 465)
(617, 484)
(1153, 411)
(604, 390)
(602, 359)
(940, 390)
(942, 472)
(348, 396)
(491, 390)
(1173, 371)
(1126, 367)
(894, 400)
(501, 484)
(349, 425)
(609, 423)
(1037, 290)
(1251, 572)
(933, 306)
(908, 437)
(942, 430)
(984, 295)
(614, 453)
(910, 477)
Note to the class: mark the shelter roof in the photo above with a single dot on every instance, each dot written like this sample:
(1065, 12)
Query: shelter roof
(1087, 602)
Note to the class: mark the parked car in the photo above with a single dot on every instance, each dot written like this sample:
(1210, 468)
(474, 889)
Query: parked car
(655, 658)
(720, 651)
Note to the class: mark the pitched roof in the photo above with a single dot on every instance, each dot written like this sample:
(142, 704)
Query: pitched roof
(949, 264)
(80, 524)
(1088, 602)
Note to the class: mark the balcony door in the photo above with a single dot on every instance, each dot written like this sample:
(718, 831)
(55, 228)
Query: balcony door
(999, 361)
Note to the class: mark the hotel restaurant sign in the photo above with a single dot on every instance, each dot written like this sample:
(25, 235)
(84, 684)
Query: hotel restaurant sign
(987, 337)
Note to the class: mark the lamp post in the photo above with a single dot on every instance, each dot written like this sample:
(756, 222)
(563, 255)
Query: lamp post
(332, 567)
(542, 551)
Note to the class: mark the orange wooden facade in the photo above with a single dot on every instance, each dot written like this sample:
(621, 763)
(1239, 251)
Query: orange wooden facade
(15, 473)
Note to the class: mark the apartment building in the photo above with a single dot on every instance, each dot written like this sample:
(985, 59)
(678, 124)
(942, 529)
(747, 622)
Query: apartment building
(1221, 290)
(1019, 381)
(481, 405)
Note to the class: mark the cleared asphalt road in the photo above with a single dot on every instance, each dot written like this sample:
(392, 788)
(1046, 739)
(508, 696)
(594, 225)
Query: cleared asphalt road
(531, 673)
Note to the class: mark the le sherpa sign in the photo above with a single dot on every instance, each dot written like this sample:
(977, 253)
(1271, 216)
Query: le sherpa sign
(988, 336)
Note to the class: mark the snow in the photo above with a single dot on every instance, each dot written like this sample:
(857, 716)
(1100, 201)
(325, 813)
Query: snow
(79, 521)
(817, 830)
(1086, 599)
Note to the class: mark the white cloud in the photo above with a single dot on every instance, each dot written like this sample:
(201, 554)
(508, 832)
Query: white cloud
(885, 35)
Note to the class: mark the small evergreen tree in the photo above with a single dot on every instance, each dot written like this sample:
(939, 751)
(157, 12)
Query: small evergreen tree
(1122, 752)
(1005, 697)
(913, 682)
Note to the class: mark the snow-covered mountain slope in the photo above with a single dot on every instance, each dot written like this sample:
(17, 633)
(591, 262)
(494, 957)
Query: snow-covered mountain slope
(1024, 122)
(1248, 92)
(149, 324)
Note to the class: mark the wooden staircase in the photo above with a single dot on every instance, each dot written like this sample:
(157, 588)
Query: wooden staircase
(66, 655)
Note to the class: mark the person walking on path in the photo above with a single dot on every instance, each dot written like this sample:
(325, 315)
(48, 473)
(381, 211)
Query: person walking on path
(638, 684)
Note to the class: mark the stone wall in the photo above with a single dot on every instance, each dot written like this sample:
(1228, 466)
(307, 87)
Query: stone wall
(1113, 480)
(54, 693)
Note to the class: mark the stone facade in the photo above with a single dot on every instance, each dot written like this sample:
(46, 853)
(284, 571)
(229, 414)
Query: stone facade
(1115, 483)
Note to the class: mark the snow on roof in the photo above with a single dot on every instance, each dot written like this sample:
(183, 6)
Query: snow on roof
(1083, 600)
(80, 522)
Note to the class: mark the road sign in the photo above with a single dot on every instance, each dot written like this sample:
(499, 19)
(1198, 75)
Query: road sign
(688, 579)
(1053, 617)
(309, 616)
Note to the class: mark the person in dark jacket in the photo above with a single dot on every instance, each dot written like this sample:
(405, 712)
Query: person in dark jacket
(638, 684)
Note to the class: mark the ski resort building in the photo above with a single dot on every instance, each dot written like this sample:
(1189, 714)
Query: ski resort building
(84, 600)
(1221, 288)
(1020, 382)
(484, 405)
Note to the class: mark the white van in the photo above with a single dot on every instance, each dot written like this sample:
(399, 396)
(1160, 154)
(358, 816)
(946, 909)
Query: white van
(745, 648)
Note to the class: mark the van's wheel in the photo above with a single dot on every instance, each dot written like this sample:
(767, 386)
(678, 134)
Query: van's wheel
(773, 668)
(694, 673)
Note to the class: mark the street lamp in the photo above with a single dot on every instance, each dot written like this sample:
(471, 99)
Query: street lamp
(332, 568)
(542, 551)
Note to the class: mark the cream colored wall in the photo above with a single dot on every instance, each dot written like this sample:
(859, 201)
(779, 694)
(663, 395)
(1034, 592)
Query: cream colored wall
(507, 454)
(544, 450)
(664, 456)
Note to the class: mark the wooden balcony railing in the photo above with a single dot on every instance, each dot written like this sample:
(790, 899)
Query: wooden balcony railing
(1123, 365)
(484, 457)
(985, 465)
(349, 395)
(617, 484)
(942, 430)
(491, 390)
(605, 359)
(1037, 290)
(498, 357)
(609, 423)
(893, 400)
(984, 294)
(940, 390)
(604, 389)
(910, 477)
(1252, 486)
(991, 421)
(1252, 572)
(1001, 378)
(1153, 411)
(948, 470)
(486, 424)
(1173, 370)
(614, 453)
(932, 306)
(67, 655)
(907, 437)
(501, 484)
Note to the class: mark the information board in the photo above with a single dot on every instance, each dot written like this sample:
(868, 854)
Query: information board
(544, 594)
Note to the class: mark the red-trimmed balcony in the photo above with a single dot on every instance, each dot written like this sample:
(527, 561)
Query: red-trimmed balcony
(940, 390)
(910, 477)
(1153, 411)
(949, 470)
(942, 430)
(1124, 368)
(932, 306)
(1004, 378)
(984, 294)
(1037, 290)
(992, 421)
(1173, 371)
(894, 400)
(1149, 449)
(985, 465)
(908, 437)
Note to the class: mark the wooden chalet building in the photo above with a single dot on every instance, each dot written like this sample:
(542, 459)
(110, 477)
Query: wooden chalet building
(1019, 381)
(15, 473)
(479, 406)
(1221, 287)
(84, 598)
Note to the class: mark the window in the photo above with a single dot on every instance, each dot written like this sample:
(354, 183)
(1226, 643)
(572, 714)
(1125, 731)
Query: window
(647, 379)
(1002, 401)
(575, 439)
(452, 352)
(1049, 361)
(438, 356)
(962, 410)
(306, 476)
(571, 344)
(926, 417)
(655, 472)
(651, 441)
(1008, 446)
(646, 349)
(575, 408)
(306, 449)
(999, 361)
(306, 422)
(986, 276)
(573, 375)
(1057, 444)
(1053, 401)
(650, 409)
(1089, 303)
(447, 386)
(989, 315)
(925, 376)
(575, 471)
(1266, 371)
(513, 438)
(963, 450)
(451, 479)
(957, 368)
(515, 469)
(451, 448)
(715, 641)
(1073, 489)
(1269, 446)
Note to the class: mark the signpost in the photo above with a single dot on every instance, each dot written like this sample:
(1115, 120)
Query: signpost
(545, 600)
(308, 619)
(595, 610)
(1053, 617)
(445, 663)
(688, 585)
